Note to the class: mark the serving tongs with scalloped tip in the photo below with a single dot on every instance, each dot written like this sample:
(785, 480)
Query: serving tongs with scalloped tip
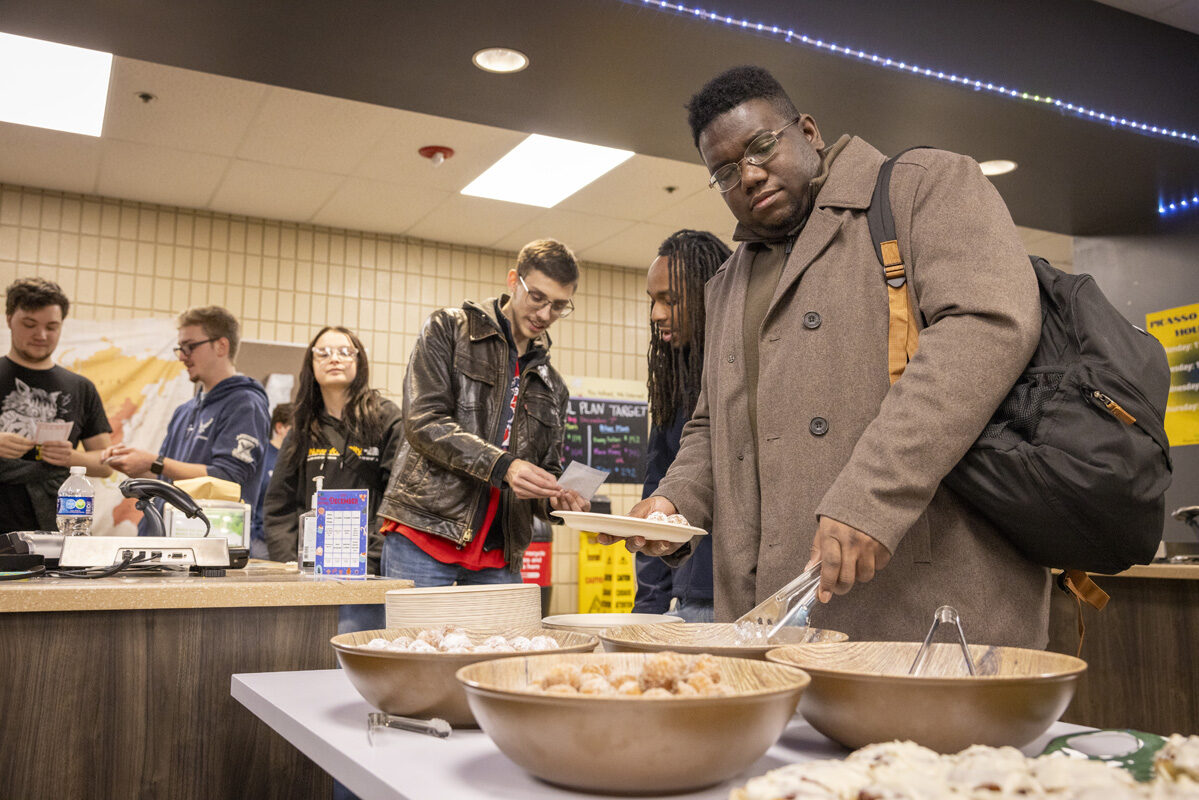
(789, 604)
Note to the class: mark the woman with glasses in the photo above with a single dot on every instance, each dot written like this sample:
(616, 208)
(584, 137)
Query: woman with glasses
(342, 430)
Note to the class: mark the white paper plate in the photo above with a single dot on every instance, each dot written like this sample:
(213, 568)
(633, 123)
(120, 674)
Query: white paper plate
(624, 527)
(607, 620)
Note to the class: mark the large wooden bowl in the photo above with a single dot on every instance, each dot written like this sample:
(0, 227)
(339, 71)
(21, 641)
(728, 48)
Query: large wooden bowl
(627, 745)
(423, 684)
(861, 693)
(717, 638)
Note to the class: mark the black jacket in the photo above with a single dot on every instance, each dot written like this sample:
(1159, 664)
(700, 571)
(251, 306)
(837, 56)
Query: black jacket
(345, 464)
(457, 378)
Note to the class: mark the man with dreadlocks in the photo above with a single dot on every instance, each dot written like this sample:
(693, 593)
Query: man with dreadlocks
(675, 285)
(800, 448)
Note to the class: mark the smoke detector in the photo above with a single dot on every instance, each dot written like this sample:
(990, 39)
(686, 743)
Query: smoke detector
(436, 153)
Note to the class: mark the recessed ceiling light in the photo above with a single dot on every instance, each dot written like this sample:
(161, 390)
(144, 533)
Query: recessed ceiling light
(60, 87)
(997, 167)
(543, 171)
(500, 59)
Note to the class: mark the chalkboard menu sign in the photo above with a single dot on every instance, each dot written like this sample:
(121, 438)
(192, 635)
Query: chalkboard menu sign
(608, 434)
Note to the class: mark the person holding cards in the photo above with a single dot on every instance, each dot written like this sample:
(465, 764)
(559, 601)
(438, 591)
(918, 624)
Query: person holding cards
(45, 411)
(484, 417)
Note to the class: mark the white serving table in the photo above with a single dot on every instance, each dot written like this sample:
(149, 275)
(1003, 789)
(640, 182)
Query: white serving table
(320, 713)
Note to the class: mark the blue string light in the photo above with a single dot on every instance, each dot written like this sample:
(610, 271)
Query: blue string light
(1082, 112)
(1185, 204)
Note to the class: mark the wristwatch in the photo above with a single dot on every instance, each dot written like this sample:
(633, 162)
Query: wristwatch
(157, 466)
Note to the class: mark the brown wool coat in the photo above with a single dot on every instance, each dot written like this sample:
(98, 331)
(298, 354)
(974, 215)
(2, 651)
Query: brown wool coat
(879, 465)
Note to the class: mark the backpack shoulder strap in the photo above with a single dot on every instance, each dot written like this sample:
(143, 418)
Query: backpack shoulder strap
(902, 333)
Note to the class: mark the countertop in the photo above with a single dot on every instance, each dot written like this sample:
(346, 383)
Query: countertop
(238, 588)
(320, 713)
(1185, 572)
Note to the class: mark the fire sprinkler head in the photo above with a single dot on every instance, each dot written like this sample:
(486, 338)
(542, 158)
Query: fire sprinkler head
(436, 153)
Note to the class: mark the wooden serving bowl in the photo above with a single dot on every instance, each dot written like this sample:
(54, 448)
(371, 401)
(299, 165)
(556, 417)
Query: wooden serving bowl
(717, 638)
(423, 684)
(861, 693)
(631, 745)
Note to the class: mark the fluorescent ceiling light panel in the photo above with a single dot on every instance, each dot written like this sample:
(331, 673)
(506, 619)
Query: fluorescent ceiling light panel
(53, 86)
(544, 171)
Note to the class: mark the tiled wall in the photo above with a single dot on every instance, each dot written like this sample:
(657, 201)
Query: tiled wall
(118, 259)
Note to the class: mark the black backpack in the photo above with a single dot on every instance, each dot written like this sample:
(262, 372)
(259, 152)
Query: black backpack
(1073, 466)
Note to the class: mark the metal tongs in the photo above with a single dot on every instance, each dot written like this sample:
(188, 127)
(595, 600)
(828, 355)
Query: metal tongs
(943, 614)
(433, 727)
(791, 605)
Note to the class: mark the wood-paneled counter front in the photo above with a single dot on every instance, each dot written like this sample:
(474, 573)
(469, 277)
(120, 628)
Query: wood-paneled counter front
(119, 687)
(1142, 651)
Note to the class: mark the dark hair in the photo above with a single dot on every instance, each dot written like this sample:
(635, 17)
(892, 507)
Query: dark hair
(34, 294)
(362, 415)
(730, 89)
(217, 322)
(551, 257)
(281, 415)
(674, 373)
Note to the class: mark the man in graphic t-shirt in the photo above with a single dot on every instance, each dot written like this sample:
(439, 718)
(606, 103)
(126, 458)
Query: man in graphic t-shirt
(38, 400)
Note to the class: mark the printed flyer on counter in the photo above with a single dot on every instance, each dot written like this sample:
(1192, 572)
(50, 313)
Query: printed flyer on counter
(1178, 331)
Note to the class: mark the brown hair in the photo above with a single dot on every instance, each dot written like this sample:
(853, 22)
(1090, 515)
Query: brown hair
(34, 294)
(217, 323)
(551, 257)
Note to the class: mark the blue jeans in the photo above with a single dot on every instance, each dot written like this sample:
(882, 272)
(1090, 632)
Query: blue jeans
(403, 559)
(694, 611)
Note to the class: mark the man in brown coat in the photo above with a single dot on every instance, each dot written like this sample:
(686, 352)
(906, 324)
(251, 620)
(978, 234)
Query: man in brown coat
(799, 448)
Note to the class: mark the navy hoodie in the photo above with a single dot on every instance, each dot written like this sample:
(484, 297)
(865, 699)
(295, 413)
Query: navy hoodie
(226, 429)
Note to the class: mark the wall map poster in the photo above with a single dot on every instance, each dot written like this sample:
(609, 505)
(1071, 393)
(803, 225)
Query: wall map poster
(610, 435)
(1178, 331)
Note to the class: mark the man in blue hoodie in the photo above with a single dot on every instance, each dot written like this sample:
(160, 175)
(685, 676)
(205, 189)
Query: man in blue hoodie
(223, 430)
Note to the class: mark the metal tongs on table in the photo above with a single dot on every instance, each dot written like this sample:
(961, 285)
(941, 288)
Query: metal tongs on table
(433, 727)
(944, 614)
(791, 605)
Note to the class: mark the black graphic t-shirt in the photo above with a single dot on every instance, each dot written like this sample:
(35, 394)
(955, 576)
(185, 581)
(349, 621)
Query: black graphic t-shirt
(29, 396)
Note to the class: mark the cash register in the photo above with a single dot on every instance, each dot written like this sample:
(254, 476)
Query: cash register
(37, 552)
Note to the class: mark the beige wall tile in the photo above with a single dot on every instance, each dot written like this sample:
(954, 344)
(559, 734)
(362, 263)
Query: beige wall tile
(120, 259)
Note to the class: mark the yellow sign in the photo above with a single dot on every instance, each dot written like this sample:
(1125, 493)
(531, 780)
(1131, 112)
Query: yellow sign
(607, 578)
(1178, 331)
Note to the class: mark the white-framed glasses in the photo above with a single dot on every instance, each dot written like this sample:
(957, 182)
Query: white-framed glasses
(561, 308)
(758, 152)
(343, 353)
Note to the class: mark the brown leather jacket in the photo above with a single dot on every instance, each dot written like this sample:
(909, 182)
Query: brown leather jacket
(456, 382)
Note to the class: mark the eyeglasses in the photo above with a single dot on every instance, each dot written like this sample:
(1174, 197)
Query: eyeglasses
(561, 308)
(325, 353)
(760, 150)
(186, 349)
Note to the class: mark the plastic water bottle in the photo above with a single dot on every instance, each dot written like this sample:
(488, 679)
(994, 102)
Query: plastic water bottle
(76, 503)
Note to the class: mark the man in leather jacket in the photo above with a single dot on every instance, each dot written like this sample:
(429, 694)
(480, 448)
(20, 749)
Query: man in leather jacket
(484, 414)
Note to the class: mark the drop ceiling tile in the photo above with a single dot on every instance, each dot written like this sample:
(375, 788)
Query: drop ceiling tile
(395, 158)
(634, 248)
(1184, 15)
(311, 131)
(577, 231)
(704, 210)
(472, 221)
(154, 174)
(48, 159)
(636, 190)
(192, 110)
(264, 190)
(376, 206)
